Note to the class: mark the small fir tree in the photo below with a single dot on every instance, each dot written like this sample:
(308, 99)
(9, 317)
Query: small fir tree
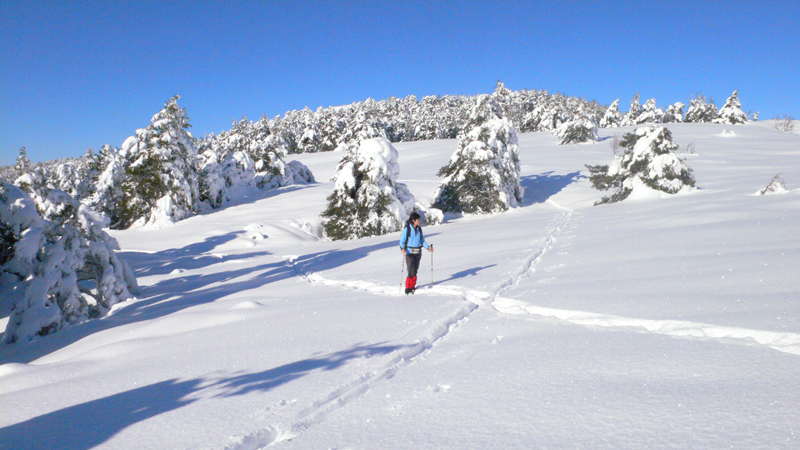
(632, 117)
(23, 163)
(367, 199)
(482, 176)
(700, 110)
(731, 112)
(674, 113)
(650, 113)
(648, 162)
(612, 118)
(578, 130)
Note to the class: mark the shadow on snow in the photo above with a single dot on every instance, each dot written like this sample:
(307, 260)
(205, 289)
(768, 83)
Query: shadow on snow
(87, 425)
(465, 273)
(178, 293)
(539, 188)
(192, 257)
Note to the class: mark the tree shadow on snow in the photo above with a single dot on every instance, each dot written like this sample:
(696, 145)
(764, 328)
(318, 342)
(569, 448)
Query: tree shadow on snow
(193, 256)
(331, 259)
(178, 293)
(249, 196)
(165, 297)
(539, 188)
(466, 273)
(268, 379)
(89, 424)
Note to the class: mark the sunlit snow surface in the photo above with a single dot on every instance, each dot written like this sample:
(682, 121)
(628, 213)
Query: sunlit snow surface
(663, 321)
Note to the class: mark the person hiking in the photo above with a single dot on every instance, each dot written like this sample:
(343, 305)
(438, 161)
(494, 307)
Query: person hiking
(411, 243)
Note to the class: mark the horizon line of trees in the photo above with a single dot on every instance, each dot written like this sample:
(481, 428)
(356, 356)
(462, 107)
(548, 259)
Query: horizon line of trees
(443, 117)
(162, 174)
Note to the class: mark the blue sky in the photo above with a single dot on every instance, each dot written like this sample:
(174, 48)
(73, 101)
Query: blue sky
(80, 74)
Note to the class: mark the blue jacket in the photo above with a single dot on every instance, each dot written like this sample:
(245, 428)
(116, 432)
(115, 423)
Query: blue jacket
(416, 239)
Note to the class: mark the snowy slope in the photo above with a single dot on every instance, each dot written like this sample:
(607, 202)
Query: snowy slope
(652, 323)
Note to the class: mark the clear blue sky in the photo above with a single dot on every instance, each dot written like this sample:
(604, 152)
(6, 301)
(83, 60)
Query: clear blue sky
(78, 74)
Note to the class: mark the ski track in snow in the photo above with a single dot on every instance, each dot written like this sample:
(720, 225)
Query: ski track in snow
(472, 300)
(356, 388)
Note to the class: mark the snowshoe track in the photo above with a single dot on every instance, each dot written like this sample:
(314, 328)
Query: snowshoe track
(472, 299)
(355, 389)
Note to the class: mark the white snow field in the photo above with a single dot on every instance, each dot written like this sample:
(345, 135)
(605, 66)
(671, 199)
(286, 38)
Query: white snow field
(658, 322)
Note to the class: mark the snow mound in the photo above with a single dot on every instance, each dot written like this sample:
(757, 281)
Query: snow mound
(776, 186)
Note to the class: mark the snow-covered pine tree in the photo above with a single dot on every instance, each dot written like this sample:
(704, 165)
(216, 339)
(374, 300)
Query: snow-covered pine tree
(578, 130)
(700, 110)
(249, 156)
(632, 116)
(67, 178)
(77, 177)
(485, 108)
(160, 186)
(612, 118)
(58, 250)
(505, 99)
(89, 171)
(482, 176)
(23, 163)
(211, 183)
(650, 113)
(365, 125)
(272, 171)
(674, 113)
(731, 112)
(107, 190)
(367, 199)
(648, 162)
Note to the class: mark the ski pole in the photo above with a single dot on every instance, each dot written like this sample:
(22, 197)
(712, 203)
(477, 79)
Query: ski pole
(402, 266)
(431, 269)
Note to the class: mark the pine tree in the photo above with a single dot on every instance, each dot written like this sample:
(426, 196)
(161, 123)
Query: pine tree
(367, 199)
(160, 185)
(249, 156)
(648, 162)
(63, 258)
(731, 112)
(700, 110)
(612, 118)
(632, 117)
(482, 176)
(211, 184)
(650, 113)
(68, 178)
(578, 130)
(674, 113)
(23, 163)
(107, 196)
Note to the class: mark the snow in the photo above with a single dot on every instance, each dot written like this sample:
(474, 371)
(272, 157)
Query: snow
(666, 321)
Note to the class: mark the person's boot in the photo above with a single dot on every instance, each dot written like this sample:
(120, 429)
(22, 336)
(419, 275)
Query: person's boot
(413, 284)
(408, 285)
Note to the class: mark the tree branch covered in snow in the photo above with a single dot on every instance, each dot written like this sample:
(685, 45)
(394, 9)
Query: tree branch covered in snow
(367, 199)
(482, 176)
(62, 259)
(647, 163)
